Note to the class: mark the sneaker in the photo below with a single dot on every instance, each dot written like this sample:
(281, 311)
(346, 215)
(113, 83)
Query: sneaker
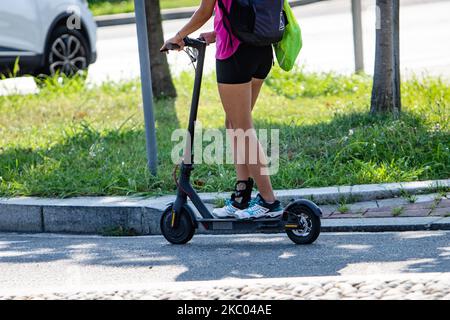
(227, 211)
(240, 199)
(258, 208)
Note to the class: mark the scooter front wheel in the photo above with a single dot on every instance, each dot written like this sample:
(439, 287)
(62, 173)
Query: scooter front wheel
(183, 232)
(308, 222)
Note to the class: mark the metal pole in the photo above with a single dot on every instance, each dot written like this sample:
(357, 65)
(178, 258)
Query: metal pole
(357, 36)
(146, 83)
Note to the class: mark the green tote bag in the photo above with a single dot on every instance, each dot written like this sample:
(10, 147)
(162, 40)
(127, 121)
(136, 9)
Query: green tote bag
(288, 49)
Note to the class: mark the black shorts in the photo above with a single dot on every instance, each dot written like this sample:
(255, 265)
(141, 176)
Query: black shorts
(246, 63)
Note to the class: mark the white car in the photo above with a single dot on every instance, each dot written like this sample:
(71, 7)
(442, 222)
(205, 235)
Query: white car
(46, 36)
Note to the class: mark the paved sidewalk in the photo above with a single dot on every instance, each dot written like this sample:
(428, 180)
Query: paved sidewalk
(421, 212)
(399, 287)
(434, 205)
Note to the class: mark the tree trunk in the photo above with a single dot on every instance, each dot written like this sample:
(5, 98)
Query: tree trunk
(397, 91)
(386, 80)
(161, 79)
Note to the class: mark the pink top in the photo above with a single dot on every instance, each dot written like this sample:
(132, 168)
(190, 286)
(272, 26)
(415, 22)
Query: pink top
(224, 48)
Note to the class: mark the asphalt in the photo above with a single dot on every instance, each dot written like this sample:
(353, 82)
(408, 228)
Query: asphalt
(327, 36)
(168, 14)
(56, 262)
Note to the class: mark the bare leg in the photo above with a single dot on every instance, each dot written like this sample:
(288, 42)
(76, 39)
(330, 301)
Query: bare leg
(242, 172)
(256, 89)
(238, 101)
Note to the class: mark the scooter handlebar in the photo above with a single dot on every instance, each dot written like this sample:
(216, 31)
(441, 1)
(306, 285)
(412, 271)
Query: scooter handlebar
(194, 43)
(188, 42)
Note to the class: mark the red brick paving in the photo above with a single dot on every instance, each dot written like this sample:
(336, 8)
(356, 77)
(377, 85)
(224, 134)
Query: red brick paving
(440, 212)
(420, 209)
(327, 210)
(386, 212)
(420, 205)
(415, 213)
(338, 215)
(444, 203)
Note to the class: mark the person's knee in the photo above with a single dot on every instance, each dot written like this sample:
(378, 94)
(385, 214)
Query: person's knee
(243, 123)
(239, 123)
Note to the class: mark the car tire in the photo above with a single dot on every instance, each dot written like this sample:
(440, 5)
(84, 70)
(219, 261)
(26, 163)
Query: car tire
(67, 53)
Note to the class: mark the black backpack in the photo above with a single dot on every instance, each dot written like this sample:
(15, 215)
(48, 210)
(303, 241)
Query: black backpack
(256, 22)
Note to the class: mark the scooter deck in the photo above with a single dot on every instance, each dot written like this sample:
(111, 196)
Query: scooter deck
(264, 224)
(240, 220)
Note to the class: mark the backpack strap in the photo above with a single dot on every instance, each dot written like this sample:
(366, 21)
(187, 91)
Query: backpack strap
(226, 15)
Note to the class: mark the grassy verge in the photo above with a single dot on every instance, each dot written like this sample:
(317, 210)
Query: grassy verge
(101, 7)
(71, 140)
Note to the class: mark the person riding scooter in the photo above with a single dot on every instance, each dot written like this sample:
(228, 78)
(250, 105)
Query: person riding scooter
(242, 64)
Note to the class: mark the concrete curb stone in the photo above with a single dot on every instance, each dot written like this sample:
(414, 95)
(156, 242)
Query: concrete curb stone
(17, 218)
(384, 224)
(97, 215)
(441, 224)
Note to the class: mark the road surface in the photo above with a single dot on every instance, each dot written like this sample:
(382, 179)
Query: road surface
(61, 262)
(327, 35)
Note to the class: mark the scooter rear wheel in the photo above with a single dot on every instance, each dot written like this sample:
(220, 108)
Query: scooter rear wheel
(309, 222)
(183, 233)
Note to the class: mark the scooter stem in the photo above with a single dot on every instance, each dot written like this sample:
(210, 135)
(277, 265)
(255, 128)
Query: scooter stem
(188, 156)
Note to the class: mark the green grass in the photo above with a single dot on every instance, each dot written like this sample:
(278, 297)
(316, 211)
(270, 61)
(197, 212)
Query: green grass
(101, 7)
(219, 202)
(70, 140)
(343, 208)
(408, 196)
(397, 211)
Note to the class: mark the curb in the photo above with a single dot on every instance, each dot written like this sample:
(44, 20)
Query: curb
(97, 215)
(166, 14)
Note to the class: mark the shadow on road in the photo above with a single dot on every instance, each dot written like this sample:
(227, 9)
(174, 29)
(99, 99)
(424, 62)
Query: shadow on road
(243, 256)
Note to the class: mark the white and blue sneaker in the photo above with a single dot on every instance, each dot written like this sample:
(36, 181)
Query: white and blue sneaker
(259, 208)
(227, 211)
(240, 199)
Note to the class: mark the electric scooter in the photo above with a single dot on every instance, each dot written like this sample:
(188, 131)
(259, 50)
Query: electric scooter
(300, 218)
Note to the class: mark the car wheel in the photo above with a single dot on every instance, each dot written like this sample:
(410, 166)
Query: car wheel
(67, 53)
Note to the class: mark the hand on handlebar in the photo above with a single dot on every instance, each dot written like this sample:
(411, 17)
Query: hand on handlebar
(209, 37)
(174, 43)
